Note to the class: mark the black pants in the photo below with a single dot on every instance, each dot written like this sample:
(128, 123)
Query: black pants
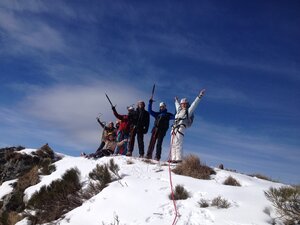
(157, 137)
(101, 146)
(100, 153)
(140, 139)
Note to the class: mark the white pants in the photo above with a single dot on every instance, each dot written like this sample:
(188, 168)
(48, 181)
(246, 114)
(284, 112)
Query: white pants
(177, 135)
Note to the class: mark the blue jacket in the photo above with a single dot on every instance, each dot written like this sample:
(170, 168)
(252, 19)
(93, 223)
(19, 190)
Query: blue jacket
(162, 118)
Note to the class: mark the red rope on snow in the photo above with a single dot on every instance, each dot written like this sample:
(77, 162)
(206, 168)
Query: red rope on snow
(171, 184)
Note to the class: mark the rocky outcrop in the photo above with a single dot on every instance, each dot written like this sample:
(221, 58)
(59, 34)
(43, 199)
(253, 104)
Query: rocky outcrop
(14, 164)
(26, 168)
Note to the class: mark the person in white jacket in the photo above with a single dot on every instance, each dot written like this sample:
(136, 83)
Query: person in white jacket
(183, 111)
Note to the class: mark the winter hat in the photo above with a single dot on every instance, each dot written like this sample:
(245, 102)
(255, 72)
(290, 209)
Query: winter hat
(141, 102)
(184, 100)
(130, 108)
(162, 104)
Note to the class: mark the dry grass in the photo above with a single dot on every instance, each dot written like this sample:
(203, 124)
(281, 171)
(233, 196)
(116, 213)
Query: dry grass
(28, 179)
(203, 203)
(191, 166)
(180, 193)
(13, 218)
(220, 202)
(231, 181)
(261, 176)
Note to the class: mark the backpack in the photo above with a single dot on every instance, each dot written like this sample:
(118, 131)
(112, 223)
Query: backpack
(190, 119)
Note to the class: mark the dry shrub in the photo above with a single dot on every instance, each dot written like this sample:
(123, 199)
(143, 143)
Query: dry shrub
(93, 189)
(28, 179)
(15, 201)
(231, 181)
(220, 202)
(203, 203)
(191, 166)
(101, 176)
(46, 167)
(13, 156)
(180, 193)
(61, 196)
(286, 201)
(11, 152)
(4, 218)
(114, 168)
(45, 152)
(263, 177)
(13, 218)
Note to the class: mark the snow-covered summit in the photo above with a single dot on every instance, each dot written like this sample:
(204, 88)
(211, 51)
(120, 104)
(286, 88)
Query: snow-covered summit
(141, 196)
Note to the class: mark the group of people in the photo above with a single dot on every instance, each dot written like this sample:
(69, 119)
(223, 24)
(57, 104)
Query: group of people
(120, 139)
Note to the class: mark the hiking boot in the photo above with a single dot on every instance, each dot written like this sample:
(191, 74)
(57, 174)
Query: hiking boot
(129, 154)
(157, 159)
(174, 161)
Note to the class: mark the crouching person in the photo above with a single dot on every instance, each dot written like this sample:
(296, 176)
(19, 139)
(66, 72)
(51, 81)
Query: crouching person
(109, 147)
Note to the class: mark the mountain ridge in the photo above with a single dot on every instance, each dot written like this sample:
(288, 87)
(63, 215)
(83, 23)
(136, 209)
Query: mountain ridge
(141, 195)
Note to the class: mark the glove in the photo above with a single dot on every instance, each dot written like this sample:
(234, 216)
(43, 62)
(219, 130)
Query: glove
(151, 100)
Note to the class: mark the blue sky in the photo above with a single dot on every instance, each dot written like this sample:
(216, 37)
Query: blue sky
(57, 59)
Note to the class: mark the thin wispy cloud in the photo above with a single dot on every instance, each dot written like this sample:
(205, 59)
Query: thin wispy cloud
(73, 108)
(60, 9)
(205, 49)
(22, 35)
(238, 139)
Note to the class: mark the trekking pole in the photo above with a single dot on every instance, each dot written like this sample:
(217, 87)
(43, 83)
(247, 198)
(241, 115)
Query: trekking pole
(109, 100)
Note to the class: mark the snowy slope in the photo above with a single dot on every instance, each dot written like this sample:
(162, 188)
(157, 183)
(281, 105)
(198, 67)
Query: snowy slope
(141, 196)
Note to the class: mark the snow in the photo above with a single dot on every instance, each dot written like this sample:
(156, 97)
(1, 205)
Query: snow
(6, 188)
(141, 196)
(27, 151)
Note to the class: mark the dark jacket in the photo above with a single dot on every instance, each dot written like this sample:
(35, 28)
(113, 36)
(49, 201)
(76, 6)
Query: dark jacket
(162, 118)
(142, 120)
